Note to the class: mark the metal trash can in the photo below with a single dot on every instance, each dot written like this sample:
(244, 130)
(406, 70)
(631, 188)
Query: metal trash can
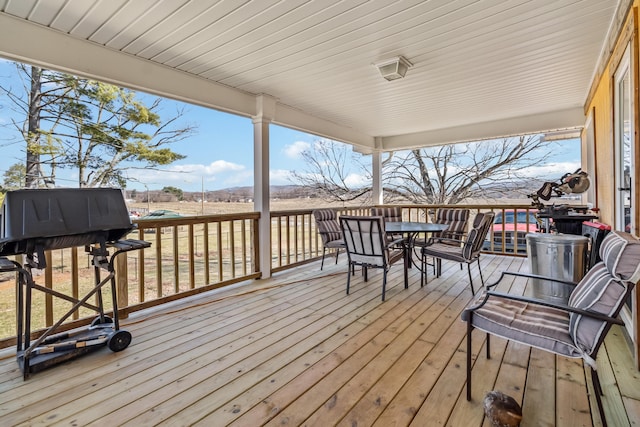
(561, 256)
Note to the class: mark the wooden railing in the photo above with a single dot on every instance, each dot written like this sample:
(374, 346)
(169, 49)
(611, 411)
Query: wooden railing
(295, 240)
(189, 255)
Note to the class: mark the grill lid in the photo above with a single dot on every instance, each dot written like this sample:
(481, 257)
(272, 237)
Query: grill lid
(32, 220)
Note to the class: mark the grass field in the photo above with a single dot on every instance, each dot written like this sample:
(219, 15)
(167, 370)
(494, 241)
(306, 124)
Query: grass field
(198, 208)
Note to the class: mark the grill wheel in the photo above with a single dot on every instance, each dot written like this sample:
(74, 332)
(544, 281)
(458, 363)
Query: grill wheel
(119, 341)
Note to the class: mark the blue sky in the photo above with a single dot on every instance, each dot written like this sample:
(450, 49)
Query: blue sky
(220, 154)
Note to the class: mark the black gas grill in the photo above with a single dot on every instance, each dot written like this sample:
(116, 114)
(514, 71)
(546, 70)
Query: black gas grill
(34, 221)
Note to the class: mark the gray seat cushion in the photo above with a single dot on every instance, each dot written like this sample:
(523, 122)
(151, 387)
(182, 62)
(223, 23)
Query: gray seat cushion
(532, 324)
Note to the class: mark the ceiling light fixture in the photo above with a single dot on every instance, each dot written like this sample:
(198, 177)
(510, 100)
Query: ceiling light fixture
(394, 68)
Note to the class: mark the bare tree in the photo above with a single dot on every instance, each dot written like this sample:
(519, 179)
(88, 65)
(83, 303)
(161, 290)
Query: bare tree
(450, 174)
(445, 174)
(330, 172)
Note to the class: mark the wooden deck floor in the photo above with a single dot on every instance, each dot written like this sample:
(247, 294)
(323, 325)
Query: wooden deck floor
(295, 350)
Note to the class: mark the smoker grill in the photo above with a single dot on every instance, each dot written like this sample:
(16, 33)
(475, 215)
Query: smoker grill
(34, 221)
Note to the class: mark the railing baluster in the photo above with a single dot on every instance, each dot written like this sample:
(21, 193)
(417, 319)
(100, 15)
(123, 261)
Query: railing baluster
(232, 247)
(192, 258)
(75, 280)
(205, 251)
(141, 278)
(48, 283)
(219, 251)
(158, 263)
(243, 234)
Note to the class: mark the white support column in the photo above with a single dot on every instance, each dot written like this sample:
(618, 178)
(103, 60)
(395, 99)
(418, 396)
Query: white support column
(377, 192)
(266, 110)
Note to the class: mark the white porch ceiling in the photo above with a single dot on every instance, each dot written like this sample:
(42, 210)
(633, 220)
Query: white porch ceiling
(480, 68)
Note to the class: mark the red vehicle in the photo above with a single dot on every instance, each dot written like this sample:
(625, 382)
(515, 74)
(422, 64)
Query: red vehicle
(509, 230)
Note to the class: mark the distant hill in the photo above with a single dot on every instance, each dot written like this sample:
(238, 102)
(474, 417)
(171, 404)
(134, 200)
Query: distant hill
(233, 194)
(284, 192)
(243, 194)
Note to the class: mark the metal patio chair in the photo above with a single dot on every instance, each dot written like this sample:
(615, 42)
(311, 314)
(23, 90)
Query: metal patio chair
(329, 230)
(575, 330)
(368, 246)
(456, 220)
(464, 250)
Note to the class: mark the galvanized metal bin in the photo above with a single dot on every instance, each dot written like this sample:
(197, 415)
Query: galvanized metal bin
(561, 256)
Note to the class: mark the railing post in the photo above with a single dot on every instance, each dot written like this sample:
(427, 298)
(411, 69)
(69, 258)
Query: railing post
(255, 258)
(265, 108)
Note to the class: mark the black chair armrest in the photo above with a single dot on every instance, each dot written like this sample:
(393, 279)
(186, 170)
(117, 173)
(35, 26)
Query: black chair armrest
(529, 276)
(457, 235)
(564, 307)
(433, 240)
(395, 243)
(538, 276)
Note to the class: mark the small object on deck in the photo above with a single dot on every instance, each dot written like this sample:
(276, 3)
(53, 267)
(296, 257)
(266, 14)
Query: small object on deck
(502, 410)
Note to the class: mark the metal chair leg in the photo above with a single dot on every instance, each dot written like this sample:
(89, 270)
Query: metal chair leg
(488, 346)
(406, 266)
(324, 250)
(384, 282)
(469, 329)
(423, 269)
(480, 270)
(597, 390)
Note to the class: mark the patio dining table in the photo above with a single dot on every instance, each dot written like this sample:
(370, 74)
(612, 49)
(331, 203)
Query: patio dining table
(410, 230)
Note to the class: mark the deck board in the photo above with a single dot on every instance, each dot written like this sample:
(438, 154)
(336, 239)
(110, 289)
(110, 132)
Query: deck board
(540, 399)
(296, 350)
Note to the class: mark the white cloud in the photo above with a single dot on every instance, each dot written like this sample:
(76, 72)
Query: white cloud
(354, 180)
(237, 179)
(294, 150)
(213, 168)
(194, 176)
(280, 177)
(551, 171)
